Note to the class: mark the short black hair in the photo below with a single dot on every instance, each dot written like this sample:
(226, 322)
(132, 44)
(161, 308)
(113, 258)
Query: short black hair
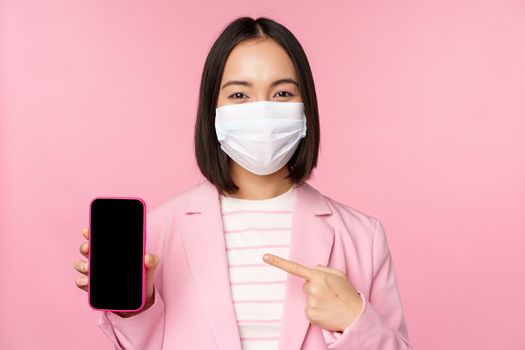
(211, 159)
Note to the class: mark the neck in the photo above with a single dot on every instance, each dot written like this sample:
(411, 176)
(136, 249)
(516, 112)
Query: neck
(258, 187)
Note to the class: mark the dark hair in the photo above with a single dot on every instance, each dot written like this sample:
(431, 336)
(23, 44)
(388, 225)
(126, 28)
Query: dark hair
(211, 159)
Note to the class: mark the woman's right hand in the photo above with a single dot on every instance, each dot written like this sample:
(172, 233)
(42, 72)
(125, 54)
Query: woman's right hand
(150, 260)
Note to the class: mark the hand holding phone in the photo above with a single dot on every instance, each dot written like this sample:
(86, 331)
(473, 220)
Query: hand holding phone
(115, 259)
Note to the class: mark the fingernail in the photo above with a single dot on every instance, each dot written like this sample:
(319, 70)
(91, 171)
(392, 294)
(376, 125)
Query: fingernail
(267, 258)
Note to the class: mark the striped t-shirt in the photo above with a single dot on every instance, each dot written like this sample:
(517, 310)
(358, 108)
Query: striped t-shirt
(251, 229)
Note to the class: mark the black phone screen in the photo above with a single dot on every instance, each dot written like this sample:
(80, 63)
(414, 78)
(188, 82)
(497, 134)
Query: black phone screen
(116, 252)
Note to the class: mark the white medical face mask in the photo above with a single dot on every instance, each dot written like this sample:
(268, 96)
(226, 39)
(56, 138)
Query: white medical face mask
(260, 136)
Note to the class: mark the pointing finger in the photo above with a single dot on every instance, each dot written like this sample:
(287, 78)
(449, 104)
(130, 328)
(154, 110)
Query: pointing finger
(329, 270)
(289, 266)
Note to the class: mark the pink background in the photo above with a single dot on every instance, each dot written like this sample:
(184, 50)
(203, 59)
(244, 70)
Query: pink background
(423, 121)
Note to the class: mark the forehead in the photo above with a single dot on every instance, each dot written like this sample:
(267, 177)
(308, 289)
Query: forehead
(260, 61)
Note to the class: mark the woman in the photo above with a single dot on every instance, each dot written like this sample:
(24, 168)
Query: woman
(254, 257)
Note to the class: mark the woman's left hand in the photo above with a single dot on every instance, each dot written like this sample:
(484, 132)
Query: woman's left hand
(333, 302)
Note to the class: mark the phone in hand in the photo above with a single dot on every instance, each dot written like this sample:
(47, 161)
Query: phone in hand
(117, 244)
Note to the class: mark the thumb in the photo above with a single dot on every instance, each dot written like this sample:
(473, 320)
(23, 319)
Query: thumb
(151, 261)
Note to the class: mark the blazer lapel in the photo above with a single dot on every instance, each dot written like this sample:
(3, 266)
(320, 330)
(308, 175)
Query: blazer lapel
(311, 244)
(206, 251)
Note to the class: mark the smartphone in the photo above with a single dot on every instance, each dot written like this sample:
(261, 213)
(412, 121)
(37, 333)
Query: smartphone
(117, 244)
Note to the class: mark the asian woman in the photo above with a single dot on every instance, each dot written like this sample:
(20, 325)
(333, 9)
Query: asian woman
(254, 257)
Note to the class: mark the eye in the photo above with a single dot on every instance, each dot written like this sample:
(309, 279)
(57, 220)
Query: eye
(235, 94)
(290, 94)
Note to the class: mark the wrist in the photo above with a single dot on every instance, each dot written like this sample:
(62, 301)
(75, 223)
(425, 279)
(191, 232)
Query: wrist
(147, 305)
(354, 311)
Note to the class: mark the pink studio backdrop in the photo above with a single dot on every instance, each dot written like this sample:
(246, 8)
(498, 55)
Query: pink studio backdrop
(423, 121)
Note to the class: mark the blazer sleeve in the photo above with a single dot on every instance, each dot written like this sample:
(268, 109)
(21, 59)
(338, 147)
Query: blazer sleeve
(142, 331)
(145, 330)
(381, 324)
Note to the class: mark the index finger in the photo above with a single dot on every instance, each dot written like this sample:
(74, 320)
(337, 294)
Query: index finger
(85, 232)
(289, 266)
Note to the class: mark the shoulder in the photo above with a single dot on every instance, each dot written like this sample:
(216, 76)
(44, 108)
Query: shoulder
(360, 230)
(176, 201)
(171, 208)
(348, 219)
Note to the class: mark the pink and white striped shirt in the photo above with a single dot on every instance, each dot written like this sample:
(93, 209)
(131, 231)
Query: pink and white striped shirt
(251, 229)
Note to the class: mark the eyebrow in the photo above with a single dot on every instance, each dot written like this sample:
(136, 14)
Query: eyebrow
(247, 83)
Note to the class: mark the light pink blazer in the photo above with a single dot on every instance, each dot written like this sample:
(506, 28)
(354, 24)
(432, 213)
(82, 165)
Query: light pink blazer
(193, 306)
